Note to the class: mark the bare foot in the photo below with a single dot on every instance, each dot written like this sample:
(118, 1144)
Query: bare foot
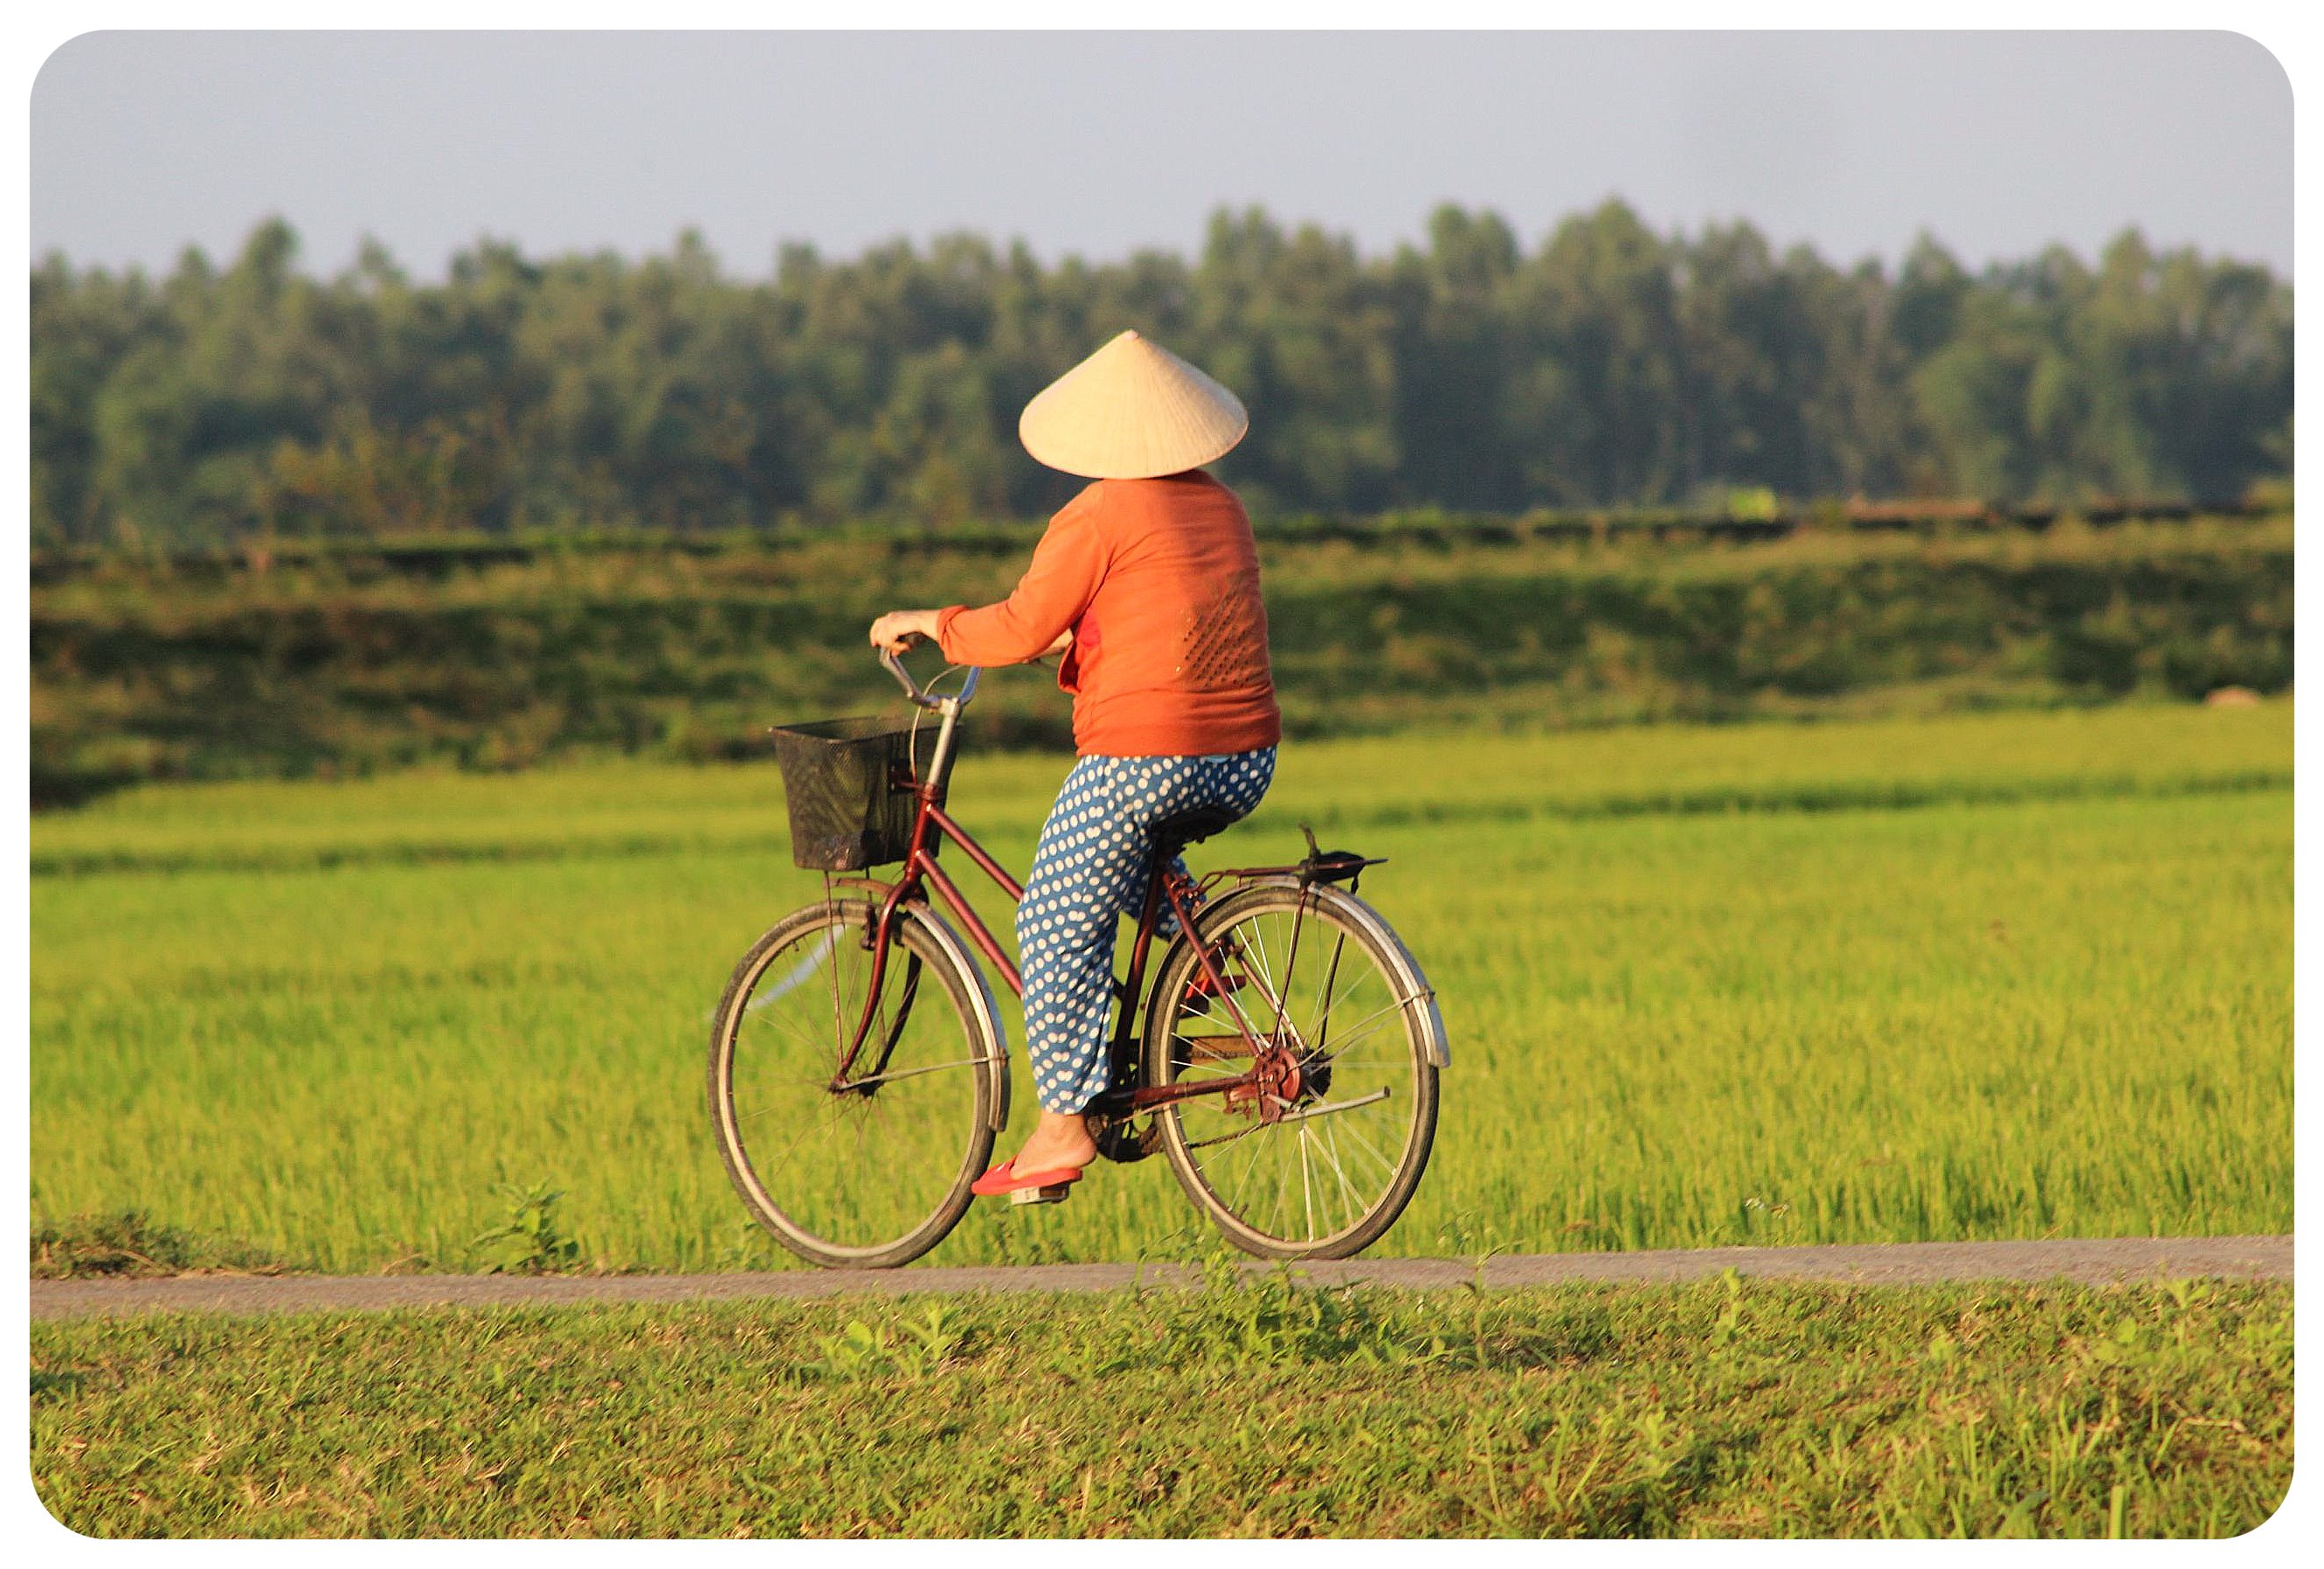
(1062, 1140)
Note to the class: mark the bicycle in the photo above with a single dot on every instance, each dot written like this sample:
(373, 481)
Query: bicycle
(855, 1098)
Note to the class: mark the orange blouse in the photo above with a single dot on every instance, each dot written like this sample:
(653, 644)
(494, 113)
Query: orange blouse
(1159, 581)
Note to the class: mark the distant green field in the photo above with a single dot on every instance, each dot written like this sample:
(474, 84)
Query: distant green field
(340, 665)
(2002, 976)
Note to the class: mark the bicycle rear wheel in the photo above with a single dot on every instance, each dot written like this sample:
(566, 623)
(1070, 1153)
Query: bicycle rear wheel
(874, 1171)
(1321, 1172)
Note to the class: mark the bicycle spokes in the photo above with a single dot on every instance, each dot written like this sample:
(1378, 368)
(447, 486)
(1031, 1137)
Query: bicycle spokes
(1324, 1134)
(846, 1109)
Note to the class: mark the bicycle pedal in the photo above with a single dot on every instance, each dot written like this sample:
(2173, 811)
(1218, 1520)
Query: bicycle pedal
(1057, 1195)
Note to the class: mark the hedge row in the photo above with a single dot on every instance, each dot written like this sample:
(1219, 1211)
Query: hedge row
(156, 676)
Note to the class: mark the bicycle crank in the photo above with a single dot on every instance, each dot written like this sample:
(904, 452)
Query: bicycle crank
(1118, 1136)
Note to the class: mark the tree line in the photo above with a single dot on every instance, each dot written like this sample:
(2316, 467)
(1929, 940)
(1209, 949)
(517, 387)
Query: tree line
(1611, 365)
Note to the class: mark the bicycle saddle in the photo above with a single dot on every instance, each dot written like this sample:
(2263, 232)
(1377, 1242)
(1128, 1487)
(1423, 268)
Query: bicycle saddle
(1180, 829)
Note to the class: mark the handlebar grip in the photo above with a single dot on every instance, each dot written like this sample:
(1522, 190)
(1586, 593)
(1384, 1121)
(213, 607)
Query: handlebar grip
(904, 679)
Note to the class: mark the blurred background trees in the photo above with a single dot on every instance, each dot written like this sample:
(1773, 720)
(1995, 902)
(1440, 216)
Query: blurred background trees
(1609, 366)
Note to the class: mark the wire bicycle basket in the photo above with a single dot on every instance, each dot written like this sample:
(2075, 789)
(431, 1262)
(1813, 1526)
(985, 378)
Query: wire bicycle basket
(841, 783)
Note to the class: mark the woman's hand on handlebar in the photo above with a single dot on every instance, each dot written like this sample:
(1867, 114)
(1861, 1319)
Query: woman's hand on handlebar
(899, 629)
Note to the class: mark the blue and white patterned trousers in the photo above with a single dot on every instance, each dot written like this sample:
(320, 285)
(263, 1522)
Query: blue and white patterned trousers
(1089, 869)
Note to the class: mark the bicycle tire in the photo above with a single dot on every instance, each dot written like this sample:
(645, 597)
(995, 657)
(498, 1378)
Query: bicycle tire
(909, 1199)
(1401, 1000)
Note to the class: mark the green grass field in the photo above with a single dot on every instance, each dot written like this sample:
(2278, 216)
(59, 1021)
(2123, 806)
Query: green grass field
(1978, 976)
(1725, 1409)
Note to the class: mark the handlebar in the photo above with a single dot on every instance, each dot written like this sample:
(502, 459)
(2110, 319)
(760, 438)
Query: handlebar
(920, 695)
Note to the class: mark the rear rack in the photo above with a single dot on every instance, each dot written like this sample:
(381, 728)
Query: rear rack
(1319, 866)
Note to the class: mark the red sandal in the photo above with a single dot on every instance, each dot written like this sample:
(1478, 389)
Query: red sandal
(1037, 1187)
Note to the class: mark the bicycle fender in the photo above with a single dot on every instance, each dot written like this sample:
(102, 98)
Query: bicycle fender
(957, 951)
(1432, 1021)
(1409, 975)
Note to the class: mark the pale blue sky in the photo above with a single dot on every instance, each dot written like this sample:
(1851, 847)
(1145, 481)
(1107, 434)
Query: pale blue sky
(1099, 144)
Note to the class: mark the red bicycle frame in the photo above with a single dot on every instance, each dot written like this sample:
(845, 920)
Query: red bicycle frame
(931, 826)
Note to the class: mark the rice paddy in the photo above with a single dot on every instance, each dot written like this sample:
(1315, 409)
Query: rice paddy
(2008, 975)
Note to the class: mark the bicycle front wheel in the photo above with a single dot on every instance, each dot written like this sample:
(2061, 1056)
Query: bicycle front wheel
(1323, 1169)
(871, 1168)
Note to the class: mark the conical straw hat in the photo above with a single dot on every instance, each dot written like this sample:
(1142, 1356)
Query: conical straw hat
(1132, 410)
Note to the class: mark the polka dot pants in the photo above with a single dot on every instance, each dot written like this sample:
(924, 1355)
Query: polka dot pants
(1089, 869)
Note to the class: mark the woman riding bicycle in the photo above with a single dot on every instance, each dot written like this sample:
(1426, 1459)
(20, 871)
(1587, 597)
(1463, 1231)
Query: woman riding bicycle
(1147, 583)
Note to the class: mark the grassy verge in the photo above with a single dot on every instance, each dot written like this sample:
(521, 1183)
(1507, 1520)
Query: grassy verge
(132, 1245)
(1722, 1408)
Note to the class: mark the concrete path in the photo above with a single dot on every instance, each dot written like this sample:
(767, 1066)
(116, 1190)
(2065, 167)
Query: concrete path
(1892, 1264)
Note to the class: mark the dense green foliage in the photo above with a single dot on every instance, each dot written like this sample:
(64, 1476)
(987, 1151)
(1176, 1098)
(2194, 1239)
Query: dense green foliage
(132, 1245)
(351, 662)
(1728, 1408)
(1609, 365)
(2004, 975)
